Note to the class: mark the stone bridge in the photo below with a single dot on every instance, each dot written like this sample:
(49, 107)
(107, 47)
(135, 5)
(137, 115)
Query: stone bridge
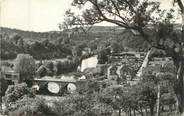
(61, 83)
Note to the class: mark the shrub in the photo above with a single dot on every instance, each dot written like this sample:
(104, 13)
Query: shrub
(25, 65)
(3, 85)
(31, 107)
(20, 101)
(15, 93)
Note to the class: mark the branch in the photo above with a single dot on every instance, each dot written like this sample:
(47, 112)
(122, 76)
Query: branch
(117, 22)
(180, 4)
(121, 23)
(115, 6)
(144, 35)
(124, 19)
(83, 25)
(117, 13)
(130, 6)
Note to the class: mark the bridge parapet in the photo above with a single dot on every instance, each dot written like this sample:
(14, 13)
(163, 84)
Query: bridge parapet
(80, 84)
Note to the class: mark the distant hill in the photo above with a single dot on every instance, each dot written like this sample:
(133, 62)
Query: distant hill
(102, 32)
(59, 44)
(37, 35)
(30, 34)
(54, 34)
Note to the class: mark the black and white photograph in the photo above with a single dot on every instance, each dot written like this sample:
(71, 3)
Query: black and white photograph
(92, 57)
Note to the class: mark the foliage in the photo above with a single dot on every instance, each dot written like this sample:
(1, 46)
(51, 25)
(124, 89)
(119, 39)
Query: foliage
(15, 93)
(102, 109)
(115, 97)
(103, 56)
(74, 105)
(41, 71)
(34, 107)
(147, 88)
(15, 38)
(84, 103)
(138, 16)
(3, 85)
(25, 65)
(13, 44)
(115, 47)
(50, 67)
(20, 100)
(62, 46)
(147, 94)
(59, 45)
(66, 66)
(8, 50)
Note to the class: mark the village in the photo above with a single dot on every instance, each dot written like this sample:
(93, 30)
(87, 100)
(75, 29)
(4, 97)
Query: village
(125, 69)
(114, 68)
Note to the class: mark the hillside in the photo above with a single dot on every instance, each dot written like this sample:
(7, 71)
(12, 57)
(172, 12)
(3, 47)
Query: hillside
(55, 44)
(30, 35)
(52, 34)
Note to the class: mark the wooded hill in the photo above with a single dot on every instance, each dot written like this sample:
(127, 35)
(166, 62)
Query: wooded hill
(57, 44)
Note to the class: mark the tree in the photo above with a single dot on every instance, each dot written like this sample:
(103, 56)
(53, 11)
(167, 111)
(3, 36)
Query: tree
(50, 66)
(114, 96)
(20, 100)
(181, 6)
(37, 49)
(115, 47)
(14, 93)
(76, 22)
(180, 61)
(137, 16)
(15, 38)
(20, 44)
(75, 105)
(162, 80)
(147, 95)
(41, 71)
(77, 51)
(66, 66)
(84, 103)
(3, 86)
(25, 65)
(102, 56)
(8, 49)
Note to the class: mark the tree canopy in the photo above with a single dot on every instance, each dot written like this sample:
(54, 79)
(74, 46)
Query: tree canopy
(145, 19)
(25, 65)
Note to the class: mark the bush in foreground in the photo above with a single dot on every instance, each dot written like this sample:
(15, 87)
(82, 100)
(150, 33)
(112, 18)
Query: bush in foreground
(20, 100)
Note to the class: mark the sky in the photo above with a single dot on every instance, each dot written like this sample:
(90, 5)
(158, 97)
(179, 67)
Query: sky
(37, 15)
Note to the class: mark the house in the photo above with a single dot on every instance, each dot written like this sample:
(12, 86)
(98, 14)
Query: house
(89, 63)
(10, 75)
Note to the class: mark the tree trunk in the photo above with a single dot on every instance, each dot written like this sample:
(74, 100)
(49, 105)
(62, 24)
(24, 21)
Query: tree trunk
(179, 63)
(151, 110)
(182, 31)
(119, 112)
(134, 113)
(180, 66)
(180, 86)
(130, 112)
(146, 112)
(139, 110)
(158, 101)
